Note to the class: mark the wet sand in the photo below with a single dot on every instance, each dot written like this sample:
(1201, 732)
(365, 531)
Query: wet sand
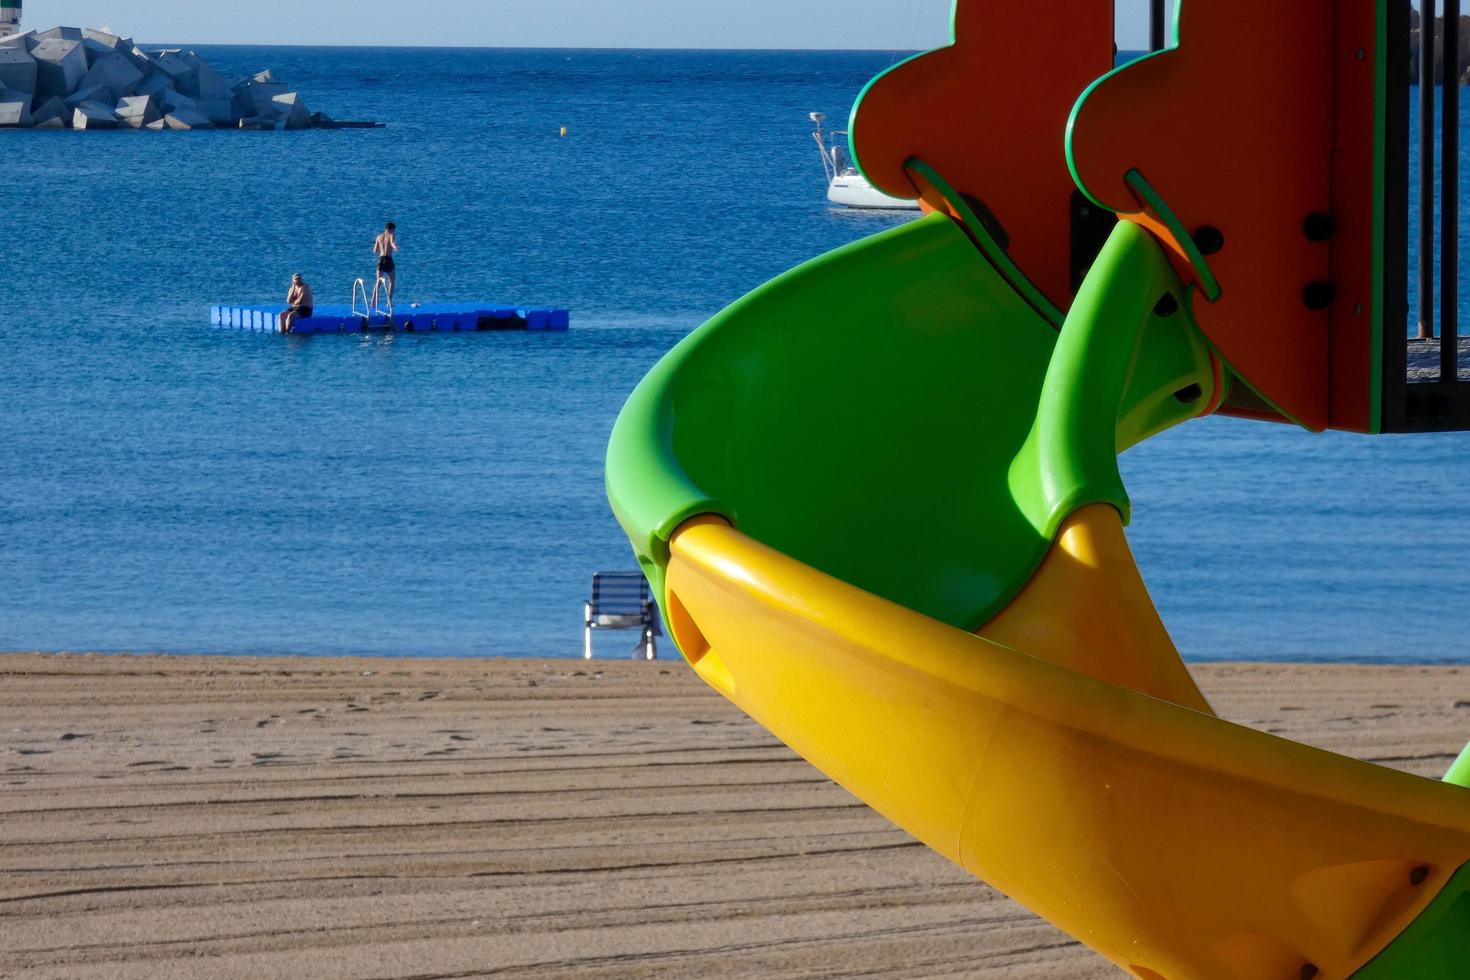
(202, 817)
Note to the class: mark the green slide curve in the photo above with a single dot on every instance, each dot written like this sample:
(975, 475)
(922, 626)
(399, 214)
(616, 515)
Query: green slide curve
(883, 413)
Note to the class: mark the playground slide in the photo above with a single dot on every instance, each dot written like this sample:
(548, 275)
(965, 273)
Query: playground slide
(879, 499)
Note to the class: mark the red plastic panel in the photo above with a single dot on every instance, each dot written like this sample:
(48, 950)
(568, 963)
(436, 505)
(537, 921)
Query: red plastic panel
(1234, 129)
(1356, 309)
(989, 113)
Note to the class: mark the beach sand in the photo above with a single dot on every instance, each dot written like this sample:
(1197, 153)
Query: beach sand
(202, 817)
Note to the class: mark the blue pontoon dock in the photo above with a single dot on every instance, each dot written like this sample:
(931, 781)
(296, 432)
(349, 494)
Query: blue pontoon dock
(424, 318)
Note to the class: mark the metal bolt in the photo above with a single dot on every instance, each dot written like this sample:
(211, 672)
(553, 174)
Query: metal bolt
(1209, 239)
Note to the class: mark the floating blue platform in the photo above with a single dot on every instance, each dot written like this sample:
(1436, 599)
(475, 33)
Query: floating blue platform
(426, 318)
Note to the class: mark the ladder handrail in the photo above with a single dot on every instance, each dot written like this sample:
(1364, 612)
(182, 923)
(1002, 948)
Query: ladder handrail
(382, 281)
(361, 284)
(370, 306)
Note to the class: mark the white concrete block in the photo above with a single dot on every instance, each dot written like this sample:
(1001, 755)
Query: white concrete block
(184, 74)
(187, 119)
(94, 93)
(25, 42)
(61, 34)
(263, 94)
(61, 64)
(99, 44)
(52, 108)
(136, 55)
(115, 73)
(93, 115)
(221, 112)
(171, 100)
(15, 110)
(157, 125)
(18, 70)
(54, 123)
(138, 111)
(155, 84)
(211, 84)
(294, 114)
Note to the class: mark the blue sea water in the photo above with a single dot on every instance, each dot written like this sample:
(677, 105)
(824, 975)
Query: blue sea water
(168, 487)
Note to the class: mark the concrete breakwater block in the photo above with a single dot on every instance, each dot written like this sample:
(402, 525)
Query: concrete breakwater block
(60, 66)
(52, 110)
(185, 119)
(18, 70)
(292, 110)
(24, 42)
(93, 115)
(115, 73)
(93, 93)
(208, 83)
(423, 318)
(154, 85)
(66, 68)
(99, 44)
(14, 111)
(256, 94)
(138, 111)
(216, 111)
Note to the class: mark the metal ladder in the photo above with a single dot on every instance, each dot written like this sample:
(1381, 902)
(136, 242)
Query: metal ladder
(370, 307)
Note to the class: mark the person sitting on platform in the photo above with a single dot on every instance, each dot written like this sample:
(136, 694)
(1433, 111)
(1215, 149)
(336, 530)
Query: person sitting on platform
(298, 303)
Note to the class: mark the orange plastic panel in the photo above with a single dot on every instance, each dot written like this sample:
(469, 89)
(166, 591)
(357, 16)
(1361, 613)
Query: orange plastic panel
(1234, 128)
(989, 112)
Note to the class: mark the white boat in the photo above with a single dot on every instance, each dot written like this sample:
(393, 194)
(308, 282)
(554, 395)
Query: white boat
(845, 186)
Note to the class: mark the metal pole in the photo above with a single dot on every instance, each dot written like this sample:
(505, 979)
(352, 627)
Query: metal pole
(1449, 198)
(1156, 20)
(1426, 169)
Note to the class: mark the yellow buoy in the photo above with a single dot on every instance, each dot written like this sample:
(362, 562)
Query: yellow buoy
(563, 130)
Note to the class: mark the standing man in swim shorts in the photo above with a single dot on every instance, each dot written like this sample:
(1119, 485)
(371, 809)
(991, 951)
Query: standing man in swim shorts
(385, 246)
(298, 303)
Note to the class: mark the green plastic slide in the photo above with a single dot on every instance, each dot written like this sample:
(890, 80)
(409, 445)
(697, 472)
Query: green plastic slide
(878, 414)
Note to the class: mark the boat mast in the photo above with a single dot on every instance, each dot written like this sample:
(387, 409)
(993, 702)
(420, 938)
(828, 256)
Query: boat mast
(829, 159)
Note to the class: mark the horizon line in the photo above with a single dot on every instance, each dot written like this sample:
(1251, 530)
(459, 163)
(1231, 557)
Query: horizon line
(536, 47)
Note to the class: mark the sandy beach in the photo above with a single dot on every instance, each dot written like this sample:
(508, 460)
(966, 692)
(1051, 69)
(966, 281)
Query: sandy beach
(202, 817)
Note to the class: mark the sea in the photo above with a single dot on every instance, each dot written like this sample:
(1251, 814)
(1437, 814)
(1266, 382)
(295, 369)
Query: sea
(168, 487)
